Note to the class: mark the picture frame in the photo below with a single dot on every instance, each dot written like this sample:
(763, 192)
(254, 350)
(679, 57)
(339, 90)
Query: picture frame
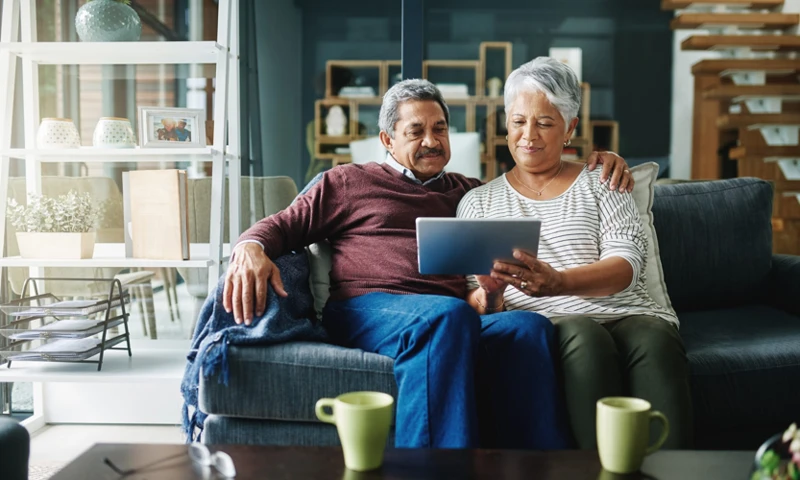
(166, 127)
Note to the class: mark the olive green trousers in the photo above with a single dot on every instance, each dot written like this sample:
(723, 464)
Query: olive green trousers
(637, 356)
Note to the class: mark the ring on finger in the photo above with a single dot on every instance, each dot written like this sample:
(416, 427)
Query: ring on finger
(627, 171)
(523, 285)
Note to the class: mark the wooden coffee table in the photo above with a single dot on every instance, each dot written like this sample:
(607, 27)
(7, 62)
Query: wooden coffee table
(157, 462)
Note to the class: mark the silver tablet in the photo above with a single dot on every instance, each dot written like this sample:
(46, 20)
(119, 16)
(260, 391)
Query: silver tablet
(462, 246)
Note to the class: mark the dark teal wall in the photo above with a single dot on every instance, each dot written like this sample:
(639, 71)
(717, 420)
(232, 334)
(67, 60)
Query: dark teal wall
(279, 39)
(627, 49)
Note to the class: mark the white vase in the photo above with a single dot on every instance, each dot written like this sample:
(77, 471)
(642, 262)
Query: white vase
(336, 122)
(60, 245)
(107, 21)
(58, 133)
(113, 132)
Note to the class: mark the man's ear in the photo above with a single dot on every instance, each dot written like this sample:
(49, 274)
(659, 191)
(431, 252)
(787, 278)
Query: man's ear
(387, 141)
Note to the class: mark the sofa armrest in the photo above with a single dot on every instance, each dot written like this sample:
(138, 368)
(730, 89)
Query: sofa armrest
(15, 447)
(784, 283)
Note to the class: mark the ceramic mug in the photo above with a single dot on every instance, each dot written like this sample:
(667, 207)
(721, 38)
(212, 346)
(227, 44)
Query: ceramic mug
(363, 420)
(113, 132)
(58, 133)
(623, 432)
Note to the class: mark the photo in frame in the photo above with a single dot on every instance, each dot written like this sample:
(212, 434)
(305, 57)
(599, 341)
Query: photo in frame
(161, 127)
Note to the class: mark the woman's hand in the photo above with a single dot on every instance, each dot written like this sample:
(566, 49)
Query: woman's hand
(615, 166)
(535, 279)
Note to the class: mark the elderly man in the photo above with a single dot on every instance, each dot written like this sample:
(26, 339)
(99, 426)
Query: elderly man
(381, 303)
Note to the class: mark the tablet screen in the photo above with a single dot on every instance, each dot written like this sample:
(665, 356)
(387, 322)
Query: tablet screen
(468, 246)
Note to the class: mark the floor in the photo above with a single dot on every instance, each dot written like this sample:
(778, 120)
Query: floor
(22, 395)
(54, 446)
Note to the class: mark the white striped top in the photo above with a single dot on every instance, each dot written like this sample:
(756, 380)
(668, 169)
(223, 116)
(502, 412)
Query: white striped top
(583, 225)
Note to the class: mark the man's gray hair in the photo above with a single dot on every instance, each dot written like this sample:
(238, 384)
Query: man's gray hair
(547, 75)
(412, 89)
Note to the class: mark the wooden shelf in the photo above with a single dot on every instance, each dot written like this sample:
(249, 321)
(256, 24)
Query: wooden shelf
(471, 105)
(116, 53)
(775, 66)
(770, 21)
(738, 93)
(732, 122)
(753, 42)
(343, 140)
(677, 4)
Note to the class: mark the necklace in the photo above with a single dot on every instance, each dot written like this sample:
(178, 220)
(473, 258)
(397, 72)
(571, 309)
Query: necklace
(538, 192)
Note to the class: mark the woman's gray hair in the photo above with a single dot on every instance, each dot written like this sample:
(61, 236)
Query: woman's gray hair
(412, 89)
(547, 75)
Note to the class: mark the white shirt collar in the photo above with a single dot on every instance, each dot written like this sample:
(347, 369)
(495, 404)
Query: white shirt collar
(408, 173)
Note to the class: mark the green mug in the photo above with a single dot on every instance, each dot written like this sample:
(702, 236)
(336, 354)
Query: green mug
(623, 432)
(363, 420)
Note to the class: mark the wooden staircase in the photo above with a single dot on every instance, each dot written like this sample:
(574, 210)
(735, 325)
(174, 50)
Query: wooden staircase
(758, 21)
(757, 43)
(749, 98)
(735, 122)
(678, 4)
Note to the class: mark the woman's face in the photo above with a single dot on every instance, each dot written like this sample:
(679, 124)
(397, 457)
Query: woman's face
(536, 130)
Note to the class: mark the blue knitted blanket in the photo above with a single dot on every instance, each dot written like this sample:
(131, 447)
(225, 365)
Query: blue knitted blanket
(285, 319)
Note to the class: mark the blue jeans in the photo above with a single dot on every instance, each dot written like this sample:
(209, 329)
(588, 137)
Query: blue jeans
(438, 343)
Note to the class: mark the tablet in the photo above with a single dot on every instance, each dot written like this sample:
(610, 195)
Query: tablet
(466, 246)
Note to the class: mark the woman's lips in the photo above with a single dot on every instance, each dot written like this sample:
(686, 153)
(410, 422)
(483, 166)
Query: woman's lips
(530, 149)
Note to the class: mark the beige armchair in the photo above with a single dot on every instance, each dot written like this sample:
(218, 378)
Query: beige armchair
(262, 196)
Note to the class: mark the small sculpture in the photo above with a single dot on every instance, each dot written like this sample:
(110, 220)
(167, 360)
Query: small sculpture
(336, 121)
(495, 85)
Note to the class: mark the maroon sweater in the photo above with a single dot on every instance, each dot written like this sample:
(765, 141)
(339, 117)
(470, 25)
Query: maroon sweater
(367, 213)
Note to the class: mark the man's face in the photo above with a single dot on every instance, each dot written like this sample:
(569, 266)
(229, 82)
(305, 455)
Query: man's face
(421, 140)
(181, 125)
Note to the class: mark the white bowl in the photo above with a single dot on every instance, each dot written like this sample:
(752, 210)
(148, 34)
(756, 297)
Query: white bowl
(58, 133)
(113, 132)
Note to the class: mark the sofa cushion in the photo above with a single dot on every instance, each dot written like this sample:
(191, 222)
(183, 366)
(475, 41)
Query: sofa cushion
(745, 366)
(221, 430)
(715, 240)
(284, 382)
(645, 177)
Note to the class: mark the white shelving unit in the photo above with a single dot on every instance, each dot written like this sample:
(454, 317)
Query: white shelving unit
(106, 155)
(18, 42)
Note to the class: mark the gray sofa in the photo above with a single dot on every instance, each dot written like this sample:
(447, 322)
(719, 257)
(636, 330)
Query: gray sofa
(739, 307)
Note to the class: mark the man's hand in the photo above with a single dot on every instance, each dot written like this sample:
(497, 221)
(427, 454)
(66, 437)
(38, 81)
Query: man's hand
(246, 282)
(490, 285)
(614, 165)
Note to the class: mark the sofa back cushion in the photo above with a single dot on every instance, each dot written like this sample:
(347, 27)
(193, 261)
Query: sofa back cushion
(715, 240)
(645, 177)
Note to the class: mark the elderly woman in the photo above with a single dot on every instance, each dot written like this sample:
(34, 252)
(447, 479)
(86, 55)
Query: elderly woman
(588, 277)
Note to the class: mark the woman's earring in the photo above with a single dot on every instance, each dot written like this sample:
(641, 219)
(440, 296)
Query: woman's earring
(566, 144)
(506, 137)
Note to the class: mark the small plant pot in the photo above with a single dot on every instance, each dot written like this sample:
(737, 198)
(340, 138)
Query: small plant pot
(61, 245)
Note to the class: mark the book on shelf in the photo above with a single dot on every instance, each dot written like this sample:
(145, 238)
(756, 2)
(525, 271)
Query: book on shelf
(156, 211)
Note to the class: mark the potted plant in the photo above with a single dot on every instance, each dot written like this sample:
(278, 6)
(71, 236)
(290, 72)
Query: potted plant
(58, 227)
(109, 221)
(779, 457)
